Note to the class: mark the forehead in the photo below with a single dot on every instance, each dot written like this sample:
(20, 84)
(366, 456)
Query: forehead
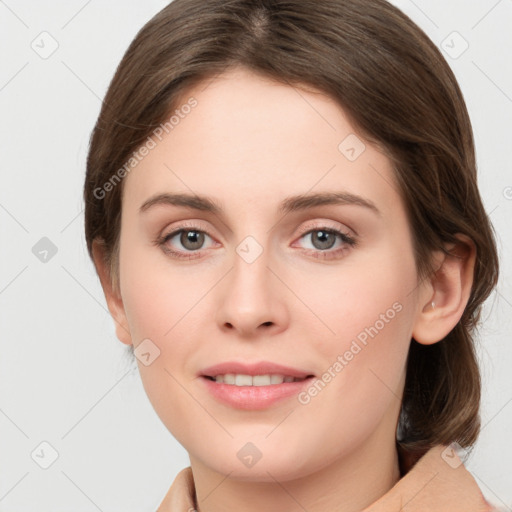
(249, 140)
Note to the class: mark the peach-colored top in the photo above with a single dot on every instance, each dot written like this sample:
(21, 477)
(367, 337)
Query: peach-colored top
(437, 482)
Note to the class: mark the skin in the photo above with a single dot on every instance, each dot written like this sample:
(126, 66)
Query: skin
(249, 144)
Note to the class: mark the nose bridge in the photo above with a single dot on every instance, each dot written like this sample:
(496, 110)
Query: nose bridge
(250, 297)
(250, 276)
(252, 252)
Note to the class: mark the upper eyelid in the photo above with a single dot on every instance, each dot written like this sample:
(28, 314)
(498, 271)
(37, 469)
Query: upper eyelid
(318, 225)
(309, 226)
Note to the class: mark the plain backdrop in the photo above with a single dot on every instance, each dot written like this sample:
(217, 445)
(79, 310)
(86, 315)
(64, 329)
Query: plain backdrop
(64, 380)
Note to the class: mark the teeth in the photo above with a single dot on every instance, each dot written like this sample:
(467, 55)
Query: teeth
(243, 380)
(256, 380)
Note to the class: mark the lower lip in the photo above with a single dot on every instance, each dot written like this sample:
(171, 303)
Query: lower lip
(254, 397)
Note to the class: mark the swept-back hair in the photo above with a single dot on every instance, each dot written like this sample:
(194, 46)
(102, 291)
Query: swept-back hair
(398, 92)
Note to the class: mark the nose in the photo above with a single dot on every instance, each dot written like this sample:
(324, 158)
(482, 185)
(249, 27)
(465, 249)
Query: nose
(252, 299)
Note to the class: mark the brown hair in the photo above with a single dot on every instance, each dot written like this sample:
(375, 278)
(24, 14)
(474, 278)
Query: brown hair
(398, 92)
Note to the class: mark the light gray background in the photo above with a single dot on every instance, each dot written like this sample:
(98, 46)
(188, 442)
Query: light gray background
(63, 376)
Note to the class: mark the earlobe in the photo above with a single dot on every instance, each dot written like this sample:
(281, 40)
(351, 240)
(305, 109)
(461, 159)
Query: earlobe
(112, 296)
(446, 294)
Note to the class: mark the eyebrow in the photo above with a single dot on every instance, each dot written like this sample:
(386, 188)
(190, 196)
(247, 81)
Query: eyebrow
(290, 204)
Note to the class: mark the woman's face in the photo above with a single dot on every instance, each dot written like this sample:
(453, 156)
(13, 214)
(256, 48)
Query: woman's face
(267, 278)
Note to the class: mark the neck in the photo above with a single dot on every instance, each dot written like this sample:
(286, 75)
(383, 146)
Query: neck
(349, 484)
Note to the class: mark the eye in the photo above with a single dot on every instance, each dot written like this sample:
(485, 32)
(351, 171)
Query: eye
(191, 239)
(323, 239)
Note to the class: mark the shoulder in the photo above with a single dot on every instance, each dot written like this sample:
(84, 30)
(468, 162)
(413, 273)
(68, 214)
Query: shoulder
(434, 480)
(181, 495)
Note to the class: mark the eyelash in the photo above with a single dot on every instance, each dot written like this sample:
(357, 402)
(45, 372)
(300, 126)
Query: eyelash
(327, 254)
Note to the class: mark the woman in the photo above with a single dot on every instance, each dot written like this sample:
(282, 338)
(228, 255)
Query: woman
(282, 207)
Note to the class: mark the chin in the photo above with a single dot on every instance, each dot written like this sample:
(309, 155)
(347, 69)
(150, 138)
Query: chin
(252, 462)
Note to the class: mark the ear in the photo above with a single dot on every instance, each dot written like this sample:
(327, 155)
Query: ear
(112, 296)
(449, 288)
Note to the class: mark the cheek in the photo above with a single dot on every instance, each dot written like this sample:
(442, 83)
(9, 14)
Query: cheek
(365, 360)
(367, 293)
(166, 305)
(159, 307)
(369, 311)
(157, 293)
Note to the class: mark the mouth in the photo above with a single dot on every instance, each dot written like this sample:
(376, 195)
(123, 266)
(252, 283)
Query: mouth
(255, 389)
(261, 373)
(241, 380)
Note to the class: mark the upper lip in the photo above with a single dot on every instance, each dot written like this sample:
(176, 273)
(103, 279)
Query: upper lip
(260, 368)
